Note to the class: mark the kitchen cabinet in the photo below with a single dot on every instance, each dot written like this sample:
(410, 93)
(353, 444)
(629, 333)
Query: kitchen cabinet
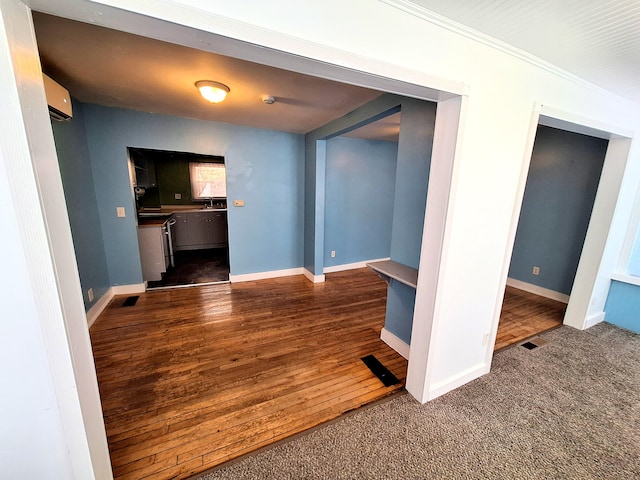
(145, 169)
(199, 230)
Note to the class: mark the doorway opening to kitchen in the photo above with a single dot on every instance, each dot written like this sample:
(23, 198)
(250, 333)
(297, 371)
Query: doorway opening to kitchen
(181, 205)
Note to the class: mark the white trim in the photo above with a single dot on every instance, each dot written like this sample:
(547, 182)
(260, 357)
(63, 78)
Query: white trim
(436, 232)
(535, 289)
(351, 266)
(626, 278)
(395, 342)
(313, 278)
(94, 312)
(250, 277)
(593, 320)
(457, 381)
(128, 289)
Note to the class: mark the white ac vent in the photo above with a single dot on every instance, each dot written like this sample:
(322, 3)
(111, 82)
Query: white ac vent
(58, 99)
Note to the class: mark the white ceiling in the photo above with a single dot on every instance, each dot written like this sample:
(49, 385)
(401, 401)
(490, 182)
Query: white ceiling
(108, 67)
(597, 40)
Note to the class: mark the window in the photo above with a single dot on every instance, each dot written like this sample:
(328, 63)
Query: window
(208, 180)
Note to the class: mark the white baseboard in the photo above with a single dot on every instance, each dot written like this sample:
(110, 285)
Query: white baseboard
(94, 312)
(250, 277)
(594, 320)
(313, 278)
(351, 266)
(129, 289)
(536, 290)
(457, 381)
(395, 342)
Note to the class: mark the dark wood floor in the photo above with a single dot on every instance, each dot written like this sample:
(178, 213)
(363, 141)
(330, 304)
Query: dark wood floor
(194, 267)
(191, 378)
(525, 315)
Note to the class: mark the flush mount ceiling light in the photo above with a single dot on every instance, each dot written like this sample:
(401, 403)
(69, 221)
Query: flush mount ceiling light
(212, 91)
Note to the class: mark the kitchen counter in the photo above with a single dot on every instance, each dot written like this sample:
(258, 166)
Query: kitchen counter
(152, 222)
(168, 210)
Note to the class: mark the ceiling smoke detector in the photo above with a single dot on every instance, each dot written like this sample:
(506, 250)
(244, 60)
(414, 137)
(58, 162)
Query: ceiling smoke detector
(268, 99)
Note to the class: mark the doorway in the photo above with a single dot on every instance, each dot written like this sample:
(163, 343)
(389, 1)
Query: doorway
(561, 187)
(181, 211)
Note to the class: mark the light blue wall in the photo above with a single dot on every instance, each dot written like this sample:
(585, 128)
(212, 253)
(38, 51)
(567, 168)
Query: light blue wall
(561, 188)
(412, 177)
(315, 170)
(401, 301)
(82, 207)
(623, 306)
(264, 168)
(410, 193)
(360, 183)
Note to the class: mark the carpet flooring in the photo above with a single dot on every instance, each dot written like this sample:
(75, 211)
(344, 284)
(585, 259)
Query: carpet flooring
(567, 410)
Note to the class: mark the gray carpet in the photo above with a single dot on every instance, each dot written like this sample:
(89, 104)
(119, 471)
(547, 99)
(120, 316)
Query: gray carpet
(566, 410)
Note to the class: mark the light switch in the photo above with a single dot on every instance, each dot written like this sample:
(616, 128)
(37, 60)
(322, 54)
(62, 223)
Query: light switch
(238, 203)
(120, 212)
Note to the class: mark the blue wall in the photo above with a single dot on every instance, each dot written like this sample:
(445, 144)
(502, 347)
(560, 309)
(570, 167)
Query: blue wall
(623, 306)
(561, 188)
(264, 168)
(315, 171)
(410, 194)
(412, 177)
(82, 207)
(360, 183)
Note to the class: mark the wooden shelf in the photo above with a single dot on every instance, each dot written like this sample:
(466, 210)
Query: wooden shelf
(389, 269)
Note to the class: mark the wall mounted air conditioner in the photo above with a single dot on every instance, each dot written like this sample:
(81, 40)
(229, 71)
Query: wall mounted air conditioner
(58, 99)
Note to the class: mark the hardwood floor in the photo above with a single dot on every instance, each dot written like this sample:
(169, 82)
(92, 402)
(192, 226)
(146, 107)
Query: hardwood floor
(191, 378)
(525, 315)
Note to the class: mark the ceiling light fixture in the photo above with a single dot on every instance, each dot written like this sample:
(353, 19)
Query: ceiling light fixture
(212, 91)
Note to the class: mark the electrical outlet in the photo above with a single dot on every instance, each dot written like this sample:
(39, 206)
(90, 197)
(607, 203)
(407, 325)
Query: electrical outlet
(238, 203)
(333, 254)
(536, 270)
(120, 212)
(90, 294)
(178, 196)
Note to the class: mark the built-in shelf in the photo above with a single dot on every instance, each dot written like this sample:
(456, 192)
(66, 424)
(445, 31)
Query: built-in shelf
(388, 269)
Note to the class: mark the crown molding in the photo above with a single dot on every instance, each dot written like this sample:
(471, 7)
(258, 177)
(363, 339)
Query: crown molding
(423, 13)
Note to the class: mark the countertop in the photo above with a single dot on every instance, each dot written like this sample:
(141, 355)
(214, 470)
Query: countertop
(396, 271)
(152, 222)
(157, 217)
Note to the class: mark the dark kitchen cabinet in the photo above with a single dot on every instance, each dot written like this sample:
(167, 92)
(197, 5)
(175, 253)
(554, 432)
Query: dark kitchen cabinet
(199, 230)
(145, 169)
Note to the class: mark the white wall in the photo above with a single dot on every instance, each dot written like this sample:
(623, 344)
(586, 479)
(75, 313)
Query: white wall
(55, 411)
(492, 149)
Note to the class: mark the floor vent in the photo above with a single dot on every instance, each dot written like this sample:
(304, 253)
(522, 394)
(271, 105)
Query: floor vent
(534, 343)
(130, 301)
(380, 371)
